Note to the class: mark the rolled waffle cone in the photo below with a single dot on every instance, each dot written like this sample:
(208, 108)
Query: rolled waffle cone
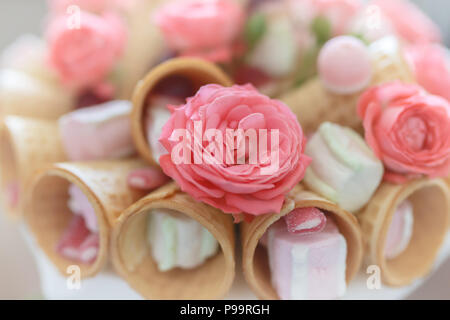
(255, 259)
(133, 260)
(313, 104)
(25, 146)
(24, 95)
(144, 46)
(200, 72)
(47, 213)
(431, 203)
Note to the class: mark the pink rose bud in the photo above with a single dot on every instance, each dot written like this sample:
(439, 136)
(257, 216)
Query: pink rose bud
(408, 129)
(83, 56)
(205, 29)
(305, 220)
(211, 159)
(146, 179)
(409, 22)
(345, 65)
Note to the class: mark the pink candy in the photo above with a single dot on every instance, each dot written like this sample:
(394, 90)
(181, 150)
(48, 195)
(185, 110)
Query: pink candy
(305, 220)
(344, 65)
(12, 191)
(146, 179)
(78, 243)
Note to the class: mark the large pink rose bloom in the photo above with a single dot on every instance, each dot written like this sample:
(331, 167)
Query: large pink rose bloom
(409, 22)
(408, 129)
(84, 56)
(232, 187)
(431, 67)
(205, 29)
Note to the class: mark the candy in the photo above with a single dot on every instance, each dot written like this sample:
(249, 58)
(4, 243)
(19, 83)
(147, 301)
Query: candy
(178, 241)
(400, 230)
(305, 220)
(157, 116)
(146, 179)
(344, 65)
(72, 238)
(89, 249)
(79, 204)
(98, 133)
(343, 168)
(307, 266)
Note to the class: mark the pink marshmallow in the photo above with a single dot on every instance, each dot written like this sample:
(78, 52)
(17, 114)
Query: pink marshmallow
(98, 133)
(345, 65)
(146, 179)
(12, 191)
(400, 230)
(305, 220)
(307, 266)
(79, 204)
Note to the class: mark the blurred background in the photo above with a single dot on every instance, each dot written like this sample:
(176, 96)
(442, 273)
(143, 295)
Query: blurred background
(18, 274)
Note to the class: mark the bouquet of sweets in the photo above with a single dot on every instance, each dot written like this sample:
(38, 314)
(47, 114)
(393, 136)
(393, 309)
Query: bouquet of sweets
(140, 133)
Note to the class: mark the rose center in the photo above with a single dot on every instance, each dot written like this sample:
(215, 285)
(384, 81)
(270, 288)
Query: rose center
(414, 133)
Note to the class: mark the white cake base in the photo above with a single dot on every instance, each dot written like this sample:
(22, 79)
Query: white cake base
(108, 285)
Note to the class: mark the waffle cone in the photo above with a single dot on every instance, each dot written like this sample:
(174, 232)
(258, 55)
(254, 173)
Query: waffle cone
(144, 46)
(25, 146)
(431, 201)
(47, 213)
(313, 104)
(255, 259)
(24, 95)
(200, 72)
(133, 261)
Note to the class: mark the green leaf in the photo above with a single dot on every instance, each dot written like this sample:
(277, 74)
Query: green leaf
(321, 27)
(255, 28)
(308, 66)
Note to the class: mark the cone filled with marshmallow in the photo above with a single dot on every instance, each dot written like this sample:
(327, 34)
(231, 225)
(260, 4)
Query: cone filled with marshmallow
(280, 257)
(169, 246)
(404, 227)
(71, 208)
(25, 146)
(170, 83)
(346, 67)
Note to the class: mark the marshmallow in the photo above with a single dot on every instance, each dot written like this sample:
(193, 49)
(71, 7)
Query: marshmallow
(157, 116)
(343, 168)
(345, 65)
(178, 241)
(98, 133)
(400, 231)
(79, 204)
(307, 266)
(77, 243)
(305, 220)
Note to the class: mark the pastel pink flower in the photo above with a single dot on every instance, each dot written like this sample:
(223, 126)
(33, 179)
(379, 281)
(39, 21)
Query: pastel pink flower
(206, 29)
(84, 56)
(97, 6)
(232, 187)
(339, 12)
(409, 22)
(408, 129)
(431, 67)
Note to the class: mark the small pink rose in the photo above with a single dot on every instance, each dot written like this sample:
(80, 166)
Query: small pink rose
(431, 66)
(206, 29)
(409, 22)
(84, 56)
(236, 187)
(408, 129)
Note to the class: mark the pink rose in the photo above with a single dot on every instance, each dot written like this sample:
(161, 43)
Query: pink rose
(84, 56)
(409, 21)
(205, 29)
(431, 67)
(408, 129)
(339, 12)
(254, 187)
